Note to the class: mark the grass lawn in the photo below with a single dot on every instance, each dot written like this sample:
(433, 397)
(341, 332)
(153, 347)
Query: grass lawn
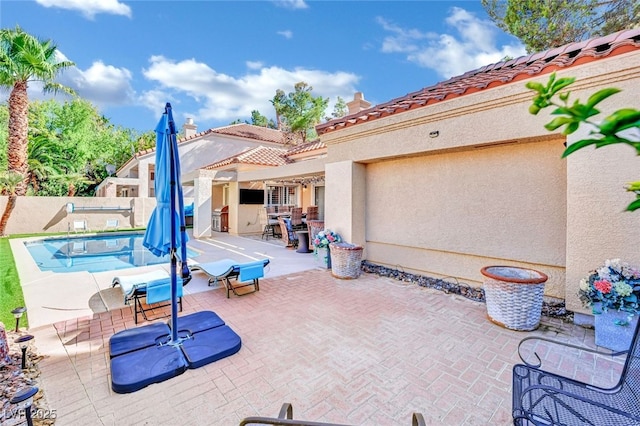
(10, 288)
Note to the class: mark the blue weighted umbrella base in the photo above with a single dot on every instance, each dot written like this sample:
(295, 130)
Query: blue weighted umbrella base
(143, 355)
(199, 321)
(210, 345)
(137, 338)
(135, 370)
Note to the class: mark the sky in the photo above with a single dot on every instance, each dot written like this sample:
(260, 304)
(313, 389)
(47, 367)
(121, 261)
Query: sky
(216, 61)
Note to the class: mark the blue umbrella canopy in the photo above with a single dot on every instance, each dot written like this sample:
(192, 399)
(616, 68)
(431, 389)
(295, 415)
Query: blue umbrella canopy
(166, 231)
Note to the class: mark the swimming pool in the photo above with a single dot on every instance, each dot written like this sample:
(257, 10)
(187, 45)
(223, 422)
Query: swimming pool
(94, 253)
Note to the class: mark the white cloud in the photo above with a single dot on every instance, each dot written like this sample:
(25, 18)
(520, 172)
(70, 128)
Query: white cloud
(291, 4)
(90, 8)
(254, 65)
(450, 55)
(286, 34)
(222, 97)
(101, 84)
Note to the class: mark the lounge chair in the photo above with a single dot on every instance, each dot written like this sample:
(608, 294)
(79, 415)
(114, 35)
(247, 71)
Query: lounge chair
(80, 225)
(246, 274)
(154, 286)
(111, 224)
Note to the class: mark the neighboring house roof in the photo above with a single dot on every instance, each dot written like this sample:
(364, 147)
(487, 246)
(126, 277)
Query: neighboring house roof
(250, 131)
(306, 147)
(242, 130)
(261, 155)
(495, 75)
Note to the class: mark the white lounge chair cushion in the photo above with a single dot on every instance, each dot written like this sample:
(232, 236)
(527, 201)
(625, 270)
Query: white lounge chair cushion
(130, 283)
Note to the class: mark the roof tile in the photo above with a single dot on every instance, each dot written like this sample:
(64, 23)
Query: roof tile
(261, 155)
(494, 75)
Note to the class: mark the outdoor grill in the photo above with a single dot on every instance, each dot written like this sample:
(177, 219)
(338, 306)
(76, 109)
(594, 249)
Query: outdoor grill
(220, 219)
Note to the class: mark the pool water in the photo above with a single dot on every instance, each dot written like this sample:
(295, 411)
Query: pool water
(95, 253)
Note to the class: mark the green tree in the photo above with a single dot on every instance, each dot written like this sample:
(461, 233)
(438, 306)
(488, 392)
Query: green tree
(258, 119)
(616, 128)
(340, 109)
(85, 142)
(44, 160)
(23, 59)
(545, 24)
(298, 112)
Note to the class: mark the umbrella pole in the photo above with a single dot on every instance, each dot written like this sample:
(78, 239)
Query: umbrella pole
(174, 281)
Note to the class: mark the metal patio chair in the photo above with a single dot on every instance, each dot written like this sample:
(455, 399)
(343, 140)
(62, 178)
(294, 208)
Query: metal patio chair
(285, 417)
(544, 398)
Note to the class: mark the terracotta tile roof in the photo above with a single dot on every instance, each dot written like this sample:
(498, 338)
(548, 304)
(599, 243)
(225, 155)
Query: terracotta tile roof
(261, 155)
(306, 147)
(250, 131)
(495, 75)
(243, 130)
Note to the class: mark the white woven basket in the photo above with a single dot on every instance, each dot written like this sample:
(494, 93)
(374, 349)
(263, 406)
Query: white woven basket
(514, 296)
(346, 260)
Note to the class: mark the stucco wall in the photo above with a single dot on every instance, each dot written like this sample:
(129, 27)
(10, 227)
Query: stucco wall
(49, 214)
(477, 180)
(453, 213)
(599, 228)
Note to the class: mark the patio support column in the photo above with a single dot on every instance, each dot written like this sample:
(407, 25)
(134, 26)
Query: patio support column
(202, 207)
(345, 200)
(144, 179)
(234, 208)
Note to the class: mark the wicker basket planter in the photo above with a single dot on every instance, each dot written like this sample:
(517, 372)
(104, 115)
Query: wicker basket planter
(514, 296)
(346, 260)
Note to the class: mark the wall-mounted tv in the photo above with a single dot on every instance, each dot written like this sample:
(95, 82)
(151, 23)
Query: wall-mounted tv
(251, 196)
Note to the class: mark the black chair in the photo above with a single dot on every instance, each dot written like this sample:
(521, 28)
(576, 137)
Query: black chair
(544, 398)
(285, 417)
(269, 225)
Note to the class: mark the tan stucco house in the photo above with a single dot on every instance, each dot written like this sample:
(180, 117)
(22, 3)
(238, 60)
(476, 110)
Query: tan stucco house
(135, 177)
(453, 177)
(284, 176)
(458, 176)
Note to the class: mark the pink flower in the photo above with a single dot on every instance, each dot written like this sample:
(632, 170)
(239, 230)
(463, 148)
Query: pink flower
(330, 238)
(603, 286)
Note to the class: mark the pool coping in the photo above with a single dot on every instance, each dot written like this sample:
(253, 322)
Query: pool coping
(85, 294)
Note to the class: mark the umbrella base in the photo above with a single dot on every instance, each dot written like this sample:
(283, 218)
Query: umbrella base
(141, 356)
(210, 345)
(137, 338)
(138, 369)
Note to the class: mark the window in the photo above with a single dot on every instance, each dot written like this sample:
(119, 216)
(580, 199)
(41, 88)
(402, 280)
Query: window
(281, 195)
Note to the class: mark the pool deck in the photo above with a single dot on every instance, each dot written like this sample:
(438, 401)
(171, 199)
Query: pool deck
(368, 351)
(51, 297)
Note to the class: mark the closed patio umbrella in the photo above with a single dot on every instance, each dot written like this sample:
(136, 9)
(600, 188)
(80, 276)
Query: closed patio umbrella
(166, 232)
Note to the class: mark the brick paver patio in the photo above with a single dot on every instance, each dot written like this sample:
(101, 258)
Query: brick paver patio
(368, 351)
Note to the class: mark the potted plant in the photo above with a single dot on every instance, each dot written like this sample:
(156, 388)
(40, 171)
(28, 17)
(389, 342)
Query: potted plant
(322, 241)
(613, 293)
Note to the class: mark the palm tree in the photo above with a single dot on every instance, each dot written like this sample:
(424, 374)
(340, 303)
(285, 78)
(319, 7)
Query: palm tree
(23, 59)
(43, 159)
(72, 180)
(9, 181)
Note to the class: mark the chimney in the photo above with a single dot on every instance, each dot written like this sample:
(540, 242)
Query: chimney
(358, 103)
(188, 128)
